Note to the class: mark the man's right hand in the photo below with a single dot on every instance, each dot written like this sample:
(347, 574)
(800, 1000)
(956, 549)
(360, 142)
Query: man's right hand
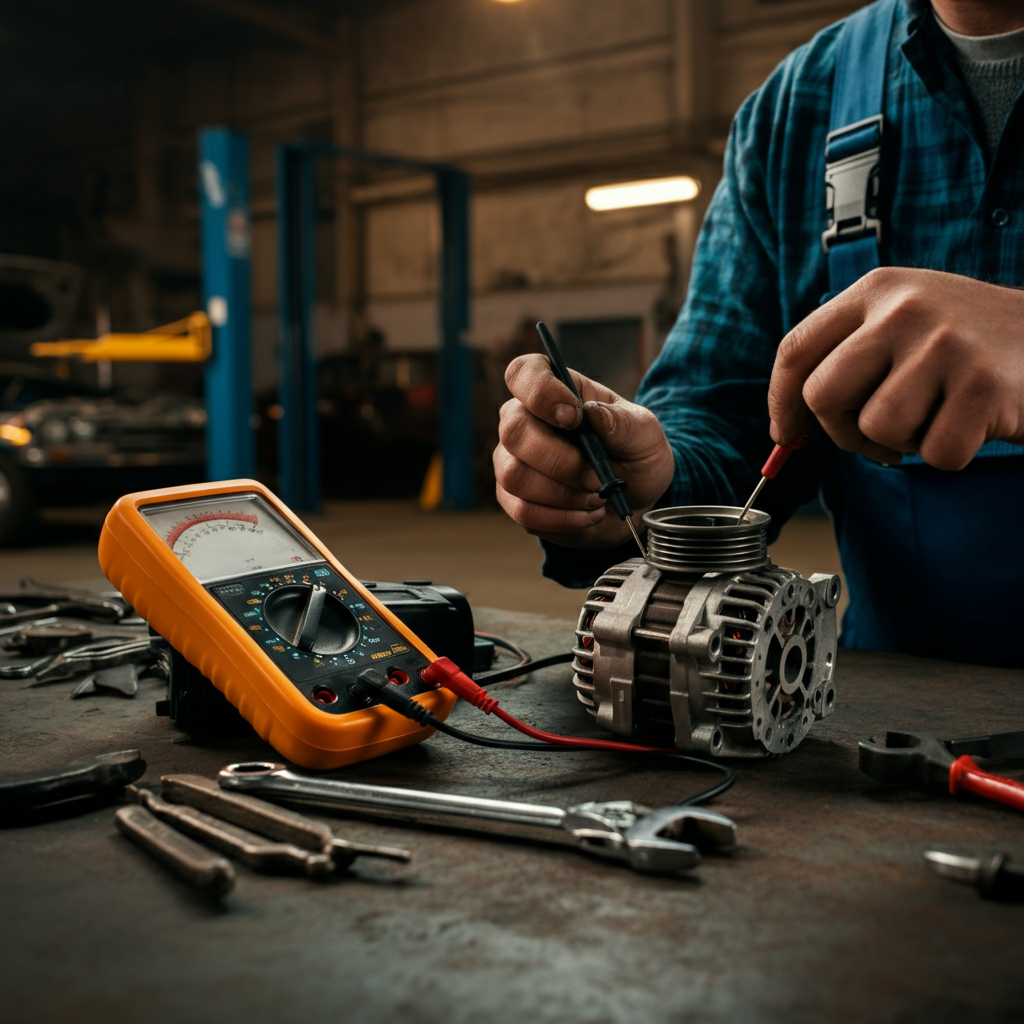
(544, 481)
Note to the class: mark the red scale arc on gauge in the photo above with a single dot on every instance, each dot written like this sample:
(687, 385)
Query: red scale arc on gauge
(207, 517)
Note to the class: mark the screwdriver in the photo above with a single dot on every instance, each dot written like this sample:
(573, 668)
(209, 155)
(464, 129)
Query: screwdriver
(777, 459)
(612, 487)
(995, 877)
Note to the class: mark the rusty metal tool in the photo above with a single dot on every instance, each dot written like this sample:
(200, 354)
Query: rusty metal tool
(269, 820)
(92, 657)
(48, 600)
(100, 775)
(910, 757)
(203, 869)
(662, 841)
(252, 850)
(996, 877)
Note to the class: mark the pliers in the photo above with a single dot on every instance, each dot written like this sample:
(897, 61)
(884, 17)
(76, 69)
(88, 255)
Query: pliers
(910, 757)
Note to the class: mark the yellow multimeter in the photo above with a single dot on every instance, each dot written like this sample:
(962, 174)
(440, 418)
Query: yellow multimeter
(235, 582)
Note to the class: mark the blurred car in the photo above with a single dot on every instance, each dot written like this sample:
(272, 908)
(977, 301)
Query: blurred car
(378, 424)
(63, 443)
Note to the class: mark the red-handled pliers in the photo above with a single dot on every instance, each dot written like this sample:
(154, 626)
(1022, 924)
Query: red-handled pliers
(910, 757)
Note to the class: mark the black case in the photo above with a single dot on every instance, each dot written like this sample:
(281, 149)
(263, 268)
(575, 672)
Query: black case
(440, 616)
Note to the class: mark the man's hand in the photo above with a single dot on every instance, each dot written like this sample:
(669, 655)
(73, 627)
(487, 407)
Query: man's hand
(907, 361)
(544, 481)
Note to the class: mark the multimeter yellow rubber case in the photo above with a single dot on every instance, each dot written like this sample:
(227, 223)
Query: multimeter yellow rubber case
(239, 586)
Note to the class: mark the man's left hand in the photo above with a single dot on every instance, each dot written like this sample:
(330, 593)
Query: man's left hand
(906, 361)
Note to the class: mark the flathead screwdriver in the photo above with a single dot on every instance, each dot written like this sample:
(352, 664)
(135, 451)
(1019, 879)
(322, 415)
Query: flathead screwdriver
(777, 459)
(612, 487)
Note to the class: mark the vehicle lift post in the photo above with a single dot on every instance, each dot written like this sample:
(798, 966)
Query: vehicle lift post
(299, 457)
(225, 224)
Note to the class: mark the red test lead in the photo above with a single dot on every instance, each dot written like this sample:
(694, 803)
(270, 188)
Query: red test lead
(777, 459)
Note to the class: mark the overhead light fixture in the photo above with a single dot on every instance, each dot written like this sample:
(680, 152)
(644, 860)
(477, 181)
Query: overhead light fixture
(652, 192)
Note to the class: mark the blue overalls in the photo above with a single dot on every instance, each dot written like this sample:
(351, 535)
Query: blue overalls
(934, 560)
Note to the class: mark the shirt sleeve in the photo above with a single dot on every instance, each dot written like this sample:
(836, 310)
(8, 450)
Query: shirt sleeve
(709, 385)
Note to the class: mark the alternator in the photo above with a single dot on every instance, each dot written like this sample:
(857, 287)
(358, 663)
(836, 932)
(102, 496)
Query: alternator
(706, 645)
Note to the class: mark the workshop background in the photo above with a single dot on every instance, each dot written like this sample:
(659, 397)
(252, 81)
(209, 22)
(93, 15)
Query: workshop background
(536, 100)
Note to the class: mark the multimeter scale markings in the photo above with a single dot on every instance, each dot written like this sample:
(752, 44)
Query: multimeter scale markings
(324, 657)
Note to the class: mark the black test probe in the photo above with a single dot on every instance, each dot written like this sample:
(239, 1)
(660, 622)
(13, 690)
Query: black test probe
(612, 487)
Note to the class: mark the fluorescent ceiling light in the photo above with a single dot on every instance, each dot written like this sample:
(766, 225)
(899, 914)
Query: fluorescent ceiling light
(643, 193)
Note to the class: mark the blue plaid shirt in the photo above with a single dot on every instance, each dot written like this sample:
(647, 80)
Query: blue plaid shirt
(760, 269)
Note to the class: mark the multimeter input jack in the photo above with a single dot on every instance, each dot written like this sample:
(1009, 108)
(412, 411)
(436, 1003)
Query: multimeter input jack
(311, 619)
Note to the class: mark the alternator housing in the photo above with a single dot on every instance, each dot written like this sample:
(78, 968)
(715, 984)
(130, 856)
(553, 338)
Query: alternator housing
(733, 664)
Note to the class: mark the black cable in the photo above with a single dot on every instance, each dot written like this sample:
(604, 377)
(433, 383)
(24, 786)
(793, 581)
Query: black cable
(502, 675)
(373, 685)
(486, 741)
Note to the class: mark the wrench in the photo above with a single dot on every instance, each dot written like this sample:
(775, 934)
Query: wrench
(910, 757)
(659, 841)
(278, 823)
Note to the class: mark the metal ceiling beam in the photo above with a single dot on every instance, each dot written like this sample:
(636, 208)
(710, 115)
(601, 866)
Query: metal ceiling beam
(274, 20)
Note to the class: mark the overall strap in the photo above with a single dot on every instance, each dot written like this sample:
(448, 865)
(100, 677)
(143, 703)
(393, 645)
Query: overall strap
(853, 148)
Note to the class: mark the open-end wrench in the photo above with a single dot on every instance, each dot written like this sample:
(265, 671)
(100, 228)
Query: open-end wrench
(252, 850)
(663, 841)
(910, 757)
(249, 812)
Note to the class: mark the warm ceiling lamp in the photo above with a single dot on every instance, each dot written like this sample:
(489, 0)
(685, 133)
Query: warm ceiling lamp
(643, 193)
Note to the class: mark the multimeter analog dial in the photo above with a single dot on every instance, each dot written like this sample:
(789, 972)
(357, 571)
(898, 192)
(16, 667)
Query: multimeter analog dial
(228, 536)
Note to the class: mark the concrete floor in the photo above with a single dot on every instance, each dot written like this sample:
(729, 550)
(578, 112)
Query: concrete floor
(483, 554)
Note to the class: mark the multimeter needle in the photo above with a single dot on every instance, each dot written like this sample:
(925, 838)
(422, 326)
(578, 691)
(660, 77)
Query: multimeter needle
(612, 487)
(777, 459)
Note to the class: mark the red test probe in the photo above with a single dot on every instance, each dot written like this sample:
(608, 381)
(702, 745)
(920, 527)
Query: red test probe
(777, 459)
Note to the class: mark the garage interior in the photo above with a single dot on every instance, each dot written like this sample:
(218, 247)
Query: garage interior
(536, 101)
(336, 344)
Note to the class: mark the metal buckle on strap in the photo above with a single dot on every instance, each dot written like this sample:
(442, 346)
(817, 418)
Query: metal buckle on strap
(852, 161)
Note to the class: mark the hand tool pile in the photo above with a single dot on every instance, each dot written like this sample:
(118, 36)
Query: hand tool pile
(59, 633)
(193, 826)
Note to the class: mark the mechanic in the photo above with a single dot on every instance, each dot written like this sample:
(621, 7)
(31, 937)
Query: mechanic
(909, 368)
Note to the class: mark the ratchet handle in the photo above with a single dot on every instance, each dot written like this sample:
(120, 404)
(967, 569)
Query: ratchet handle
(966, 777)
(781, 453)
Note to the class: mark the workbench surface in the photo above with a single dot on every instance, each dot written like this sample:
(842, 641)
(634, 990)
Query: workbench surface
(825, 913)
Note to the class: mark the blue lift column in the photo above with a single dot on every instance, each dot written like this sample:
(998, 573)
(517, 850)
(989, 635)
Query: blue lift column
(298, 431)
(455, 412)
(225, 221)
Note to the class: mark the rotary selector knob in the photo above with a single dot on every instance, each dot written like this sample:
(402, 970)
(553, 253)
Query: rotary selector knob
(311, 619)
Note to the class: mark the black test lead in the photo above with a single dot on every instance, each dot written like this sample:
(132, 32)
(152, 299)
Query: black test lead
(612, 487)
